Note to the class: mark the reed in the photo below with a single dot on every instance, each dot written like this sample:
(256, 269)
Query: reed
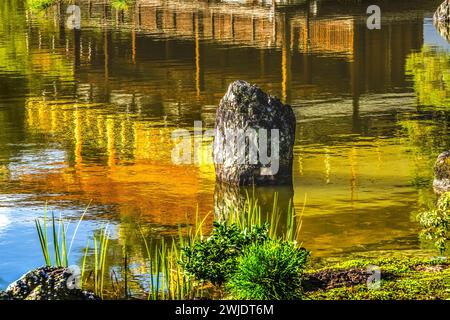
(100, 250)
(58, 241)
(166, 277)
(251, 214)
(83, 264)
(93, 278)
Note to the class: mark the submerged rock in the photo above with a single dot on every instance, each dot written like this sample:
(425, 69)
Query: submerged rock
(254, 137)
(441, 181)
(46, 283)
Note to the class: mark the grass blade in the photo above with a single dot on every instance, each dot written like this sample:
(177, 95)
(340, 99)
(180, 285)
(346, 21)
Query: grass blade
(78, 225)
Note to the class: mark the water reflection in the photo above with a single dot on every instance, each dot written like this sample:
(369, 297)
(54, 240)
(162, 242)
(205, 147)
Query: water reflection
(88, 115)
(430, 70)
(231, 200)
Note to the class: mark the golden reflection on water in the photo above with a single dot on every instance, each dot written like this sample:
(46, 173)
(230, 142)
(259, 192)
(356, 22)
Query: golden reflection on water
(137, 172)
(138, 176)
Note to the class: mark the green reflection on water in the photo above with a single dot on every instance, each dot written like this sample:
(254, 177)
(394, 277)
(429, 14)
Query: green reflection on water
(430, 69)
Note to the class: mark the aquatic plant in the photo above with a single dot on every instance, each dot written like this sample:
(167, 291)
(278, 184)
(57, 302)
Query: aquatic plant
(60, 254)
(251, 215)
(269, 271)
(57, 241)
(100, 250)
(167, 279)
(191, 264)
(93, 264)
(436, 223)
(215, 259)
(175, 267)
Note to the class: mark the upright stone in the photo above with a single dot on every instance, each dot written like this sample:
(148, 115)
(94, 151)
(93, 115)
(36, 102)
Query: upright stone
(254, 137)
(442, 14)
(441, 19)
(441, 181)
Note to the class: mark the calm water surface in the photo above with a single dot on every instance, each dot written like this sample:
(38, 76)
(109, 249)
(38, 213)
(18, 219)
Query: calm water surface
(86, 117)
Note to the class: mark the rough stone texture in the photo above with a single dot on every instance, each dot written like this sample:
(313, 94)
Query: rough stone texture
(441, 181)
(4, 296)
(442, 13)
(243, 107)
(229, 200)
(45, 283)
(441, 19)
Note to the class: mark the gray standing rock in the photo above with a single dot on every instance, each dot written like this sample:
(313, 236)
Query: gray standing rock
(442, 13)
(256, 119)
(46, 283)
(441, 181)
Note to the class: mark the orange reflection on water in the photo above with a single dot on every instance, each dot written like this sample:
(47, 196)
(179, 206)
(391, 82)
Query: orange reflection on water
(114, 159)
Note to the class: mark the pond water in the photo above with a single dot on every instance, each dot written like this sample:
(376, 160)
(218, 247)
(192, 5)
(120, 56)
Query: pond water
(86, 118)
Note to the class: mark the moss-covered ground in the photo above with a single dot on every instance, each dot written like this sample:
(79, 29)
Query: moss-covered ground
(401, 279)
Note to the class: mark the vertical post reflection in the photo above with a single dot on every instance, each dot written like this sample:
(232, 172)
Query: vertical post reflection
(353, 174)
(355, 73)
(286, 59)
(77, 47)
(106, 56)
(78, 139)
(110, 143)
(133, 40)
(197, 57)
(198, 31)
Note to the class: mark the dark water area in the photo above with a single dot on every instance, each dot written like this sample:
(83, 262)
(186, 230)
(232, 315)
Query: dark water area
(86, 117)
